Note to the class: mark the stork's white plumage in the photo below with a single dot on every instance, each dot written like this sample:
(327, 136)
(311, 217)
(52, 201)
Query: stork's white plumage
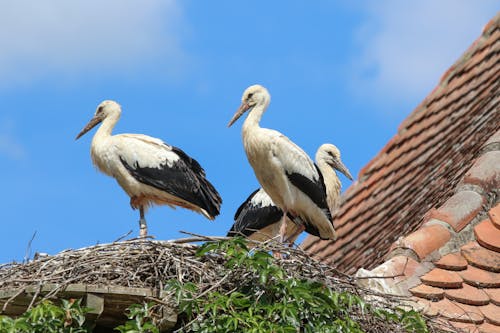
(258, 217)
(149, 170)
(283, 169)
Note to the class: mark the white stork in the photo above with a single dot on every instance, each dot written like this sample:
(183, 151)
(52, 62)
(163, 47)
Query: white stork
(284, 170)
(258, 217)
(148, 169)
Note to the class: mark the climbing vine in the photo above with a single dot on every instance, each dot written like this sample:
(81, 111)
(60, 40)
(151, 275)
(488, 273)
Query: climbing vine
(266, 299)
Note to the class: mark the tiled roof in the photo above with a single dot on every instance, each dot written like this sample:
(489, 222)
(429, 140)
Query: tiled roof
(463, 286)
(425, 212)
(425, 172)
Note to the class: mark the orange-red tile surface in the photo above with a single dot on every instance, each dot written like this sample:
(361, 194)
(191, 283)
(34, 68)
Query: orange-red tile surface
(466, 327)
(488, 328)
(480, 257)
(426, 240)
(463, 313)
(468, 295)
(442, 278)
(427, 292)
(493, 294)
(487, 234)
(480, 278)
(492, 313)
(452, 262)
(485, 172)
(494, 214)
(460, 209)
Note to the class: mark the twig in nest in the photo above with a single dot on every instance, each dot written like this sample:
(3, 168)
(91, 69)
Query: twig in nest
(28, 248)
(19, 292)
(196, 239)
(122, 237)
(37, 292)
(202, 237)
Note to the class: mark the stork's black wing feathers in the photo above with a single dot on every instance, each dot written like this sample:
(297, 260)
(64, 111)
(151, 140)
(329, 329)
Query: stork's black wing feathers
(185, 179)
(316, 191)
(245, 204)
(252, 216)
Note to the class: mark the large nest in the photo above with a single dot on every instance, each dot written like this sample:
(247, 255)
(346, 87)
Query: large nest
(143, 263)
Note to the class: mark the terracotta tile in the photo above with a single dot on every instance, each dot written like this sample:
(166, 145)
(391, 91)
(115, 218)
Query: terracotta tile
(492, 313)
(480, 278)
(426, 240)
(452, 262)
(369, 167)
(441, 278)
(459, 312)
(465, 327)
(490, 26)
(427, 307)
(427, 292)
(481, 257)
(468, 295)
(494, 214)
(485, 172)
(309, 242)
(493, 294)
(489, 328)
(459, 209)
(495, 138)
(446, 75)
(401, 265)
(487, 235)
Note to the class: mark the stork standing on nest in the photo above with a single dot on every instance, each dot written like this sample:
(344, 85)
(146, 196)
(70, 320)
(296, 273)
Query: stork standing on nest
(148, 169)
(284, 170)
(258, 217)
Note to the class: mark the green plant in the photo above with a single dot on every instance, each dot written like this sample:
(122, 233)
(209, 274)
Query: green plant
(46, 317)
(140, 319)
(266, 299)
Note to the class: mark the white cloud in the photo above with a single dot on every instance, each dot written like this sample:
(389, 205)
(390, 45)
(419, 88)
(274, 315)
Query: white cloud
(407, 45)
(68, 37)
(10, 147)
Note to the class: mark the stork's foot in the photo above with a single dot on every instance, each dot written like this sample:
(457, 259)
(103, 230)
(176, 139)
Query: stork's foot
(277, 255)
(143, 228)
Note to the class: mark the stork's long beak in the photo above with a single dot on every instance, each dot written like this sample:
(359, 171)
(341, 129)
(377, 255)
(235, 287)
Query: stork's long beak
(244, 107)
(91, 124)
(338, 165)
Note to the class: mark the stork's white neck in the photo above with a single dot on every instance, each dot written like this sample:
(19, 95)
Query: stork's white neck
(332, 184)
(107, 125)
(253, 119)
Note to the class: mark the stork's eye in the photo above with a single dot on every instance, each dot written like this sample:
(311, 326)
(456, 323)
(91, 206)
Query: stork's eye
(99, 110)
(250, 95)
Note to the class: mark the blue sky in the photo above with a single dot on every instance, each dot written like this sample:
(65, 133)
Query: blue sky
(338, 71)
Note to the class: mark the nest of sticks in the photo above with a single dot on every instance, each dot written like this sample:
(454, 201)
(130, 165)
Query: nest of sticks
(144, 263)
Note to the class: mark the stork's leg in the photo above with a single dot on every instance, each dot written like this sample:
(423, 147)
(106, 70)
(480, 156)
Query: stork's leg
(143, 228)
(277, 254)
(294, 236)
(283, 227)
